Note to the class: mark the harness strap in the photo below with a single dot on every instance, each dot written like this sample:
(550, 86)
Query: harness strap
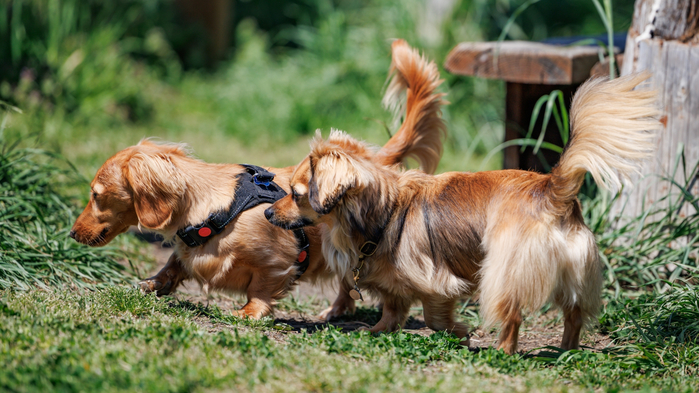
(303, 259)
(255, 187)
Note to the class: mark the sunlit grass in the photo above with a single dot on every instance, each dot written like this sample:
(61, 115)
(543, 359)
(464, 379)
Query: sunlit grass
(118, 339)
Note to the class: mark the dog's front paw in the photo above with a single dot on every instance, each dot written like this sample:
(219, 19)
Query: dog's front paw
(366, 329)
(254, 310)
(374, 330)
(337, 310)
(382, 327)
(152, 285)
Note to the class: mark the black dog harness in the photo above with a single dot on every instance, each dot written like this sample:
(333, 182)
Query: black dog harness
(255, 186)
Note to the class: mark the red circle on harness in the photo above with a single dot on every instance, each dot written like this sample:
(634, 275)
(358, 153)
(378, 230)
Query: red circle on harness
(302, 256)
(204, 232)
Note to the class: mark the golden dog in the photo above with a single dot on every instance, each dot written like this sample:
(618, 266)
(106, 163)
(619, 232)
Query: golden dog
(162, 188)
(516, 237)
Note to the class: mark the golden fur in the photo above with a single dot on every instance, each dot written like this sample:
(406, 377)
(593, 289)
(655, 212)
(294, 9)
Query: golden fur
(516, 237)
(162, 188)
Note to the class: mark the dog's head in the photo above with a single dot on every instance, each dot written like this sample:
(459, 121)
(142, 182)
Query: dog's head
(138, 185)
(336, 169)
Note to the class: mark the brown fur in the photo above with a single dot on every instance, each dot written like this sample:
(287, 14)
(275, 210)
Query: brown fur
(516, 237)
(161, 187)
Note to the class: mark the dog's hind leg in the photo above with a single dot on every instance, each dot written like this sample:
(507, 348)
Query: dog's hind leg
(395, 313)
(509, 332)
(500, 304)
(573, 325)
(578, 291)
(518, 273)
(439, 315)
(168, 278)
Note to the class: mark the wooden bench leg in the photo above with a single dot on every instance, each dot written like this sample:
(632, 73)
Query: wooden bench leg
(520, 100)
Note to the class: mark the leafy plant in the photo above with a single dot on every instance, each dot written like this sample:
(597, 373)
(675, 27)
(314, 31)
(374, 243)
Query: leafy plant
(606, 15)
(35, 218)
(78, 56)
(657, 247)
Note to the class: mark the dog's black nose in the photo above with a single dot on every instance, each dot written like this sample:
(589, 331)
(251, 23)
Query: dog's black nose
(269, 213)
(72, 234)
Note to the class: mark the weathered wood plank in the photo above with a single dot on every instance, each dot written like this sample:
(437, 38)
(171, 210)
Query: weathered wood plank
(674, 66)
(678, 55)
(523, 62)
(692, 151)
(666, 19)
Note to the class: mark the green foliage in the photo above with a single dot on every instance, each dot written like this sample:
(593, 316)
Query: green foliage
(668, 318)
(554, 105)
(546, 18)
(334, 78)
(606, 14)
(78, 56)
(35, 218)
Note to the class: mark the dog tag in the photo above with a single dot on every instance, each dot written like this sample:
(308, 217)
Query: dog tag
(355, 294)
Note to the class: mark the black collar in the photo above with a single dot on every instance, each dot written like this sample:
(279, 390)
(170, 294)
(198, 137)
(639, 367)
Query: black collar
(366, 250)
(255, 186)
(371, 243)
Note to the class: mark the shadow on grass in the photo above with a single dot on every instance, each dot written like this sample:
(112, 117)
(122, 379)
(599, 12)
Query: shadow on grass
(364, 317)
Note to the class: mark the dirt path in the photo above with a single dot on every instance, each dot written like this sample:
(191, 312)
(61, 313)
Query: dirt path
(299, 311)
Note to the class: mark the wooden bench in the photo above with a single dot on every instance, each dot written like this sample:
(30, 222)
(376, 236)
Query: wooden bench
(530, 70)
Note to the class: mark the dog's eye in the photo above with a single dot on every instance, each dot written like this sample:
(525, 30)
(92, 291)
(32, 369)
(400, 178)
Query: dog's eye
(294, 194)
(94, 195)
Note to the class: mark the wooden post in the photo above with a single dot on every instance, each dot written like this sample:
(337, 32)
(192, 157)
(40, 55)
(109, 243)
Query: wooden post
(215, 17)
(663, 39)
(520, 100)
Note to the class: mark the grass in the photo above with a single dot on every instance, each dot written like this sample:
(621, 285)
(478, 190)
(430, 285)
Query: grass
(116, 339)
(35, 218)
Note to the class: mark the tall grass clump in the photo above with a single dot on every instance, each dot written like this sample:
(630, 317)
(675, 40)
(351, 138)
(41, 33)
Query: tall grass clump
(657, 248)
(35, 218)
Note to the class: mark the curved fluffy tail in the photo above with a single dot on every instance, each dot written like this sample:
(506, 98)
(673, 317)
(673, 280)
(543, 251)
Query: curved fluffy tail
(612, 131)
(420, 135)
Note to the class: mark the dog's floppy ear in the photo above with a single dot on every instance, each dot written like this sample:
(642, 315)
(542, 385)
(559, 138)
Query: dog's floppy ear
(331, 176)
(157, 187)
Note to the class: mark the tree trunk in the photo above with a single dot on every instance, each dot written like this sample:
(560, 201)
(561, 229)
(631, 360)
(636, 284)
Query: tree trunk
(663, 39)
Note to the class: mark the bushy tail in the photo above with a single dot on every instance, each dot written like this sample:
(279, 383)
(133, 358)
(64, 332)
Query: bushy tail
(420, 135)
(612, 131)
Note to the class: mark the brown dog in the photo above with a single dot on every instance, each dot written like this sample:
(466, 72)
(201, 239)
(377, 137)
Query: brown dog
(516, 237)
(160, 187)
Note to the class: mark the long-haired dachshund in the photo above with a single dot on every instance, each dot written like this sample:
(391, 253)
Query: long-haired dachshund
(162, 188)
(516, 237)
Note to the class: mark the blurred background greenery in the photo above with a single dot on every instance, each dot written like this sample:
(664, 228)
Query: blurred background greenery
(92, 77)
